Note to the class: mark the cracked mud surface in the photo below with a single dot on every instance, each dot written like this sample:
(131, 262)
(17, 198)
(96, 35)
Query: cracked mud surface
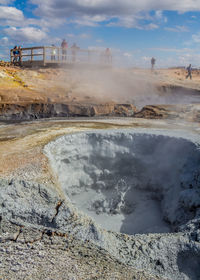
(33, 224)
(40, 241)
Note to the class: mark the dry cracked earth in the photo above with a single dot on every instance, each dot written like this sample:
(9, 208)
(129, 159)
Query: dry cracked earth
(113, 194)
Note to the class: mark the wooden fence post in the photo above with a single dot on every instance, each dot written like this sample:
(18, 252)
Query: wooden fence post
(11, 58)
(58, 54)
(31, 55)
(44, 56)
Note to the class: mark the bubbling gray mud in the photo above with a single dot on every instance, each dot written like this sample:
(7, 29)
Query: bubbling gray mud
(130, 181)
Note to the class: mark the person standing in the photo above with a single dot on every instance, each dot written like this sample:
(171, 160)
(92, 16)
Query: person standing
(64, 47)
(15, 54)
(74, 49)
(53, 53)
(153, 61)
(20, 55)
(108, 56)
(189, 69)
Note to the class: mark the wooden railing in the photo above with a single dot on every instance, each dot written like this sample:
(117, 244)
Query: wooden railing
(54, 55)
(25, 56)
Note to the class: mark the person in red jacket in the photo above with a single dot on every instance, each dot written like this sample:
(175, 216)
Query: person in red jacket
(64, 47)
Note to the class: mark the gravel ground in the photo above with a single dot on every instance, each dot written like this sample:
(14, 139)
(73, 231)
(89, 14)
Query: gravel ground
(61, 258)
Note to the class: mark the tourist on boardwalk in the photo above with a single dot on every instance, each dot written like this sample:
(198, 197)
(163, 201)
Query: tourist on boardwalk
(20, 55)
(53, 53)
(15, 54)
(189, 69)
(108, 56)
(64, 47)
(153, 61)
(74, 49)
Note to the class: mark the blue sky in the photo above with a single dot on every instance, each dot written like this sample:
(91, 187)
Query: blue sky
(134, 30)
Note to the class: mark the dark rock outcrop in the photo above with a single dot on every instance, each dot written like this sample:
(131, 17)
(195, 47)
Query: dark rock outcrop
(190, 112)
(46, 110)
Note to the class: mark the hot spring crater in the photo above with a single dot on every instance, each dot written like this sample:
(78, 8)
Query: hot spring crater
(134, 181)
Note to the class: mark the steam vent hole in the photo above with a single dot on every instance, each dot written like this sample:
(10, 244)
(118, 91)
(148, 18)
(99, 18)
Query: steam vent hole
(129, 182)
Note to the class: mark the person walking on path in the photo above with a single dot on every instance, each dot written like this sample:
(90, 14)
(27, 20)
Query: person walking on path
(153, 61)
(189, 69)
(64, 47)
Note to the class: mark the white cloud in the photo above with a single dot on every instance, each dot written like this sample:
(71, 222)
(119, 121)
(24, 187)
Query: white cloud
(10, 14)
(112, 7)
(84, 36)
(18, 29)
(99, 41)
(96, 48)
(196, 38)
(71, 35)
(45, 23)
(127, 54)
(187, 58)
(146, 58)
(173, 50)
(177, 28)
(127, 13)
(158, 14)
(77, 36)
(151, 26)
(91, 21)
(5, 2)
(126, 21)
(26, 34)
(86, 21)
(160, 17)
(134, 22)
(4, 41)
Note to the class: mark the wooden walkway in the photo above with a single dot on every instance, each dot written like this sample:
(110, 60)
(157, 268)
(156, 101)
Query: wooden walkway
(53, 56)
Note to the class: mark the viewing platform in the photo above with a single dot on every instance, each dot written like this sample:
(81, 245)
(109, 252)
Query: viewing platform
(53, 56)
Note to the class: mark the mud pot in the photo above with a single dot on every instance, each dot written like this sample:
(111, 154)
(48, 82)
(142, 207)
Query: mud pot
(130, 182)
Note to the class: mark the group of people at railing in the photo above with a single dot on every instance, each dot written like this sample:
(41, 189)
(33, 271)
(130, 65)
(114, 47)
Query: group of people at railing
(64, 47)
(105, 56)
(60, 53)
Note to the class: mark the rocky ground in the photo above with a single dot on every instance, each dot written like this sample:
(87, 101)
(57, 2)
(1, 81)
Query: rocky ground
(42, 235)
(34, 246)
(27, 94)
